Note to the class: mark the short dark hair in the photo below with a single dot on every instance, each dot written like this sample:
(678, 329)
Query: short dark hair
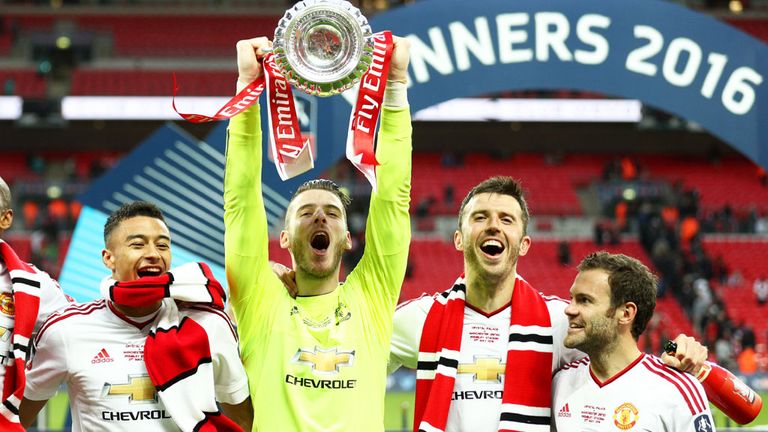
(501, 185)
(326, 185)
(630, 281)
(130, 210)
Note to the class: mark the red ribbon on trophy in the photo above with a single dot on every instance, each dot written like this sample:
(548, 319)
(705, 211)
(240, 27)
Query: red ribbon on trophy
(292, 156)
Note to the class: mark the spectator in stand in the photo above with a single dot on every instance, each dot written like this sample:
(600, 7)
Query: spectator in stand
(31, 212)
(760, 287)
(620, 213)
(747, 361)
(720, 269)
(761, 355)
(689, 229)
(735, 278)
(724, 350)
(564, 253)
(629, 169)
(448, 196)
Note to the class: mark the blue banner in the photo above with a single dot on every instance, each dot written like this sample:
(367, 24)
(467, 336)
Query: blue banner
(663, 54)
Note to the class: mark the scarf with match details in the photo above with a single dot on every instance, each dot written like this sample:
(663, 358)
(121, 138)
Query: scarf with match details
(26, 282)
(177, 352)
(528, 371)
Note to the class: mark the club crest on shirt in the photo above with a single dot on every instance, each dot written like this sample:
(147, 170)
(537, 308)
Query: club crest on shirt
(342, 313)
(702, 424)
(625, 416)
(7, 306)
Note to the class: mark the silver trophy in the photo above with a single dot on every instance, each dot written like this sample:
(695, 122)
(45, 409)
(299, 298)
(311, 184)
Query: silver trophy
(323, 47)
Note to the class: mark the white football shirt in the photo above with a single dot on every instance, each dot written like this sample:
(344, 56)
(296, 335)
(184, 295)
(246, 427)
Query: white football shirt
(99, 353)
(476, 399)
(52, 298)
(646, 396)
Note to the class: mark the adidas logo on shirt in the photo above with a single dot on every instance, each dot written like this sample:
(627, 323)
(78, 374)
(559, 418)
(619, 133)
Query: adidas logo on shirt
(102, 357)
(564, 411)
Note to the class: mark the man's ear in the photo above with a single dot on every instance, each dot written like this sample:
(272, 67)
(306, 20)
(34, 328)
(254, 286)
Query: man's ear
(348, 242)
(6, 219)
(457, 241)
(525, 244)
(627, 313)
(108, 259)
(284, 239)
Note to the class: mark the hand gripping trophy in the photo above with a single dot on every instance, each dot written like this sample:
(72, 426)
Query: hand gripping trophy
(323, 48)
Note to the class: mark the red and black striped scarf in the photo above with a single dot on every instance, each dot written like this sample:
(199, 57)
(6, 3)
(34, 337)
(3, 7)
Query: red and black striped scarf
(528, 372)
(177, 352)
(26, 282)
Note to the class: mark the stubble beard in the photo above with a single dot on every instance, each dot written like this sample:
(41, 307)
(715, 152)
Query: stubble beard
(303, 253)
(490, 276)
(596, 338)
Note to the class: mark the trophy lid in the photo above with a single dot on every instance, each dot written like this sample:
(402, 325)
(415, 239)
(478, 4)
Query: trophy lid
(323, 47)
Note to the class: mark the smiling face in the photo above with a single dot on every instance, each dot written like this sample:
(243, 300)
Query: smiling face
(492, 236)
(593, 325)
(316, 233)
(138, 246)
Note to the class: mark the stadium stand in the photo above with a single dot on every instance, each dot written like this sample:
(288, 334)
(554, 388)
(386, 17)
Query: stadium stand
(107, 82)
(22, 82)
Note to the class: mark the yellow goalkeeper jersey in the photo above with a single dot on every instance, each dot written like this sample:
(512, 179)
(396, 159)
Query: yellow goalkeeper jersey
(316, 363)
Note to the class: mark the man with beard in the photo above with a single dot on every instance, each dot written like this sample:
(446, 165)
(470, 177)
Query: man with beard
(485, 350)
(317, 362)
(618, 386)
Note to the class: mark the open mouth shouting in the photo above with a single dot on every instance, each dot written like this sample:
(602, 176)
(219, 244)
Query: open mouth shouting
(320, 242)
(492, 248)
(149, 271)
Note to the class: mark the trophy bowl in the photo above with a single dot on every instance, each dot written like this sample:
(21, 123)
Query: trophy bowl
(323, 47)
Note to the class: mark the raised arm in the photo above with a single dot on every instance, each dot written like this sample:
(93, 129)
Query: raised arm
(388, 229)
(245, 220)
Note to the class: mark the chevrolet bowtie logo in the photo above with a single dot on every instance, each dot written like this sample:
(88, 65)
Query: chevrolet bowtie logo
(484, 369)
(324, 362)
(138, 389)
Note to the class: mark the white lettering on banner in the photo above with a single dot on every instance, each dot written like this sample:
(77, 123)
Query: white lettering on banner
(436, 56)
(738, 95)
(552, 29)
(245, 102)
(637, 59)
(599, 42)
(285, 116)
(372, 79)
(284, 124)
(290, 151)
(464, 43)
(365, 109)
(676, 49)
(524, 38)
(508, 38)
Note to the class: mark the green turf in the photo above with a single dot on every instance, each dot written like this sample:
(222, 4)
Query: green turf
(394, 405)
